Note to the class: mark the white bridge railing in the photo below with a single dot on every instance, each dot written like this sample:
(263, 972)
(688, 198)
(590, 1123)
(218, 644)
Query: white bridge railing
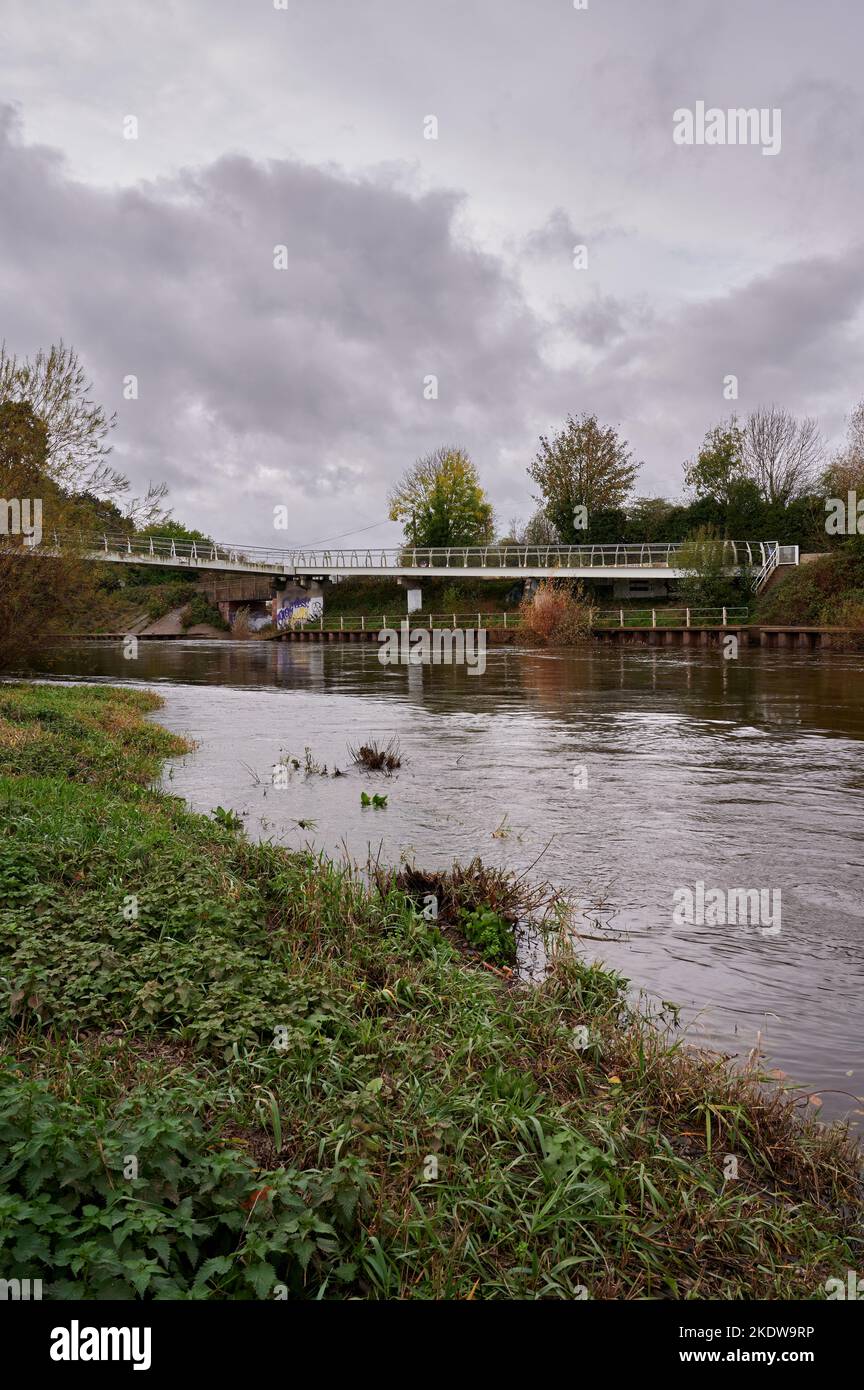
(761, 556)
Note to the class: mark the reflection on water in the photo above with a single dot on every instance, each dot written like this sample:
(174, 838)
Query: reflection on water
(738, 774)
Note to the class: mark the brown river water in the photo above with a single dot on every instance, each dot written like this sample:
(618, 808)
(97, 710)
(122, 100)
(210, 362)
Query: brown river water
(734, 774)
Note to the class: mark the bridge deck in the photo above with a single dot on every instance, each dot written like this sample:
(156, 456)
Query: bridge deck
(665, 560)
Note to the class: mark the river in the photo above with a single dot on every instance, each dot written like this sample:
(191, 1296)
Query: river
(734, 774)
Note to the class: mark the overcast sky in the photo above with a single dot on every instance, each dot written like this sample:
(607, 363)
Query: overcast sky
(303, 126)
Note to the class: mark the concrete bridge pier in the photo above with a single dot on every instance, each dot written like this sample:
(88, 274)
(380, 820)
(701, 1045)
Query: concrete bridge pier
(409, 583)
(288, 588)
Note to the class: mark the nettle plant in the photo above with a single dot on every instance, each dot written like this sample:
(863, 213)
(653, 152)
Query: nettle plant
(491, 934)
(197, 1221)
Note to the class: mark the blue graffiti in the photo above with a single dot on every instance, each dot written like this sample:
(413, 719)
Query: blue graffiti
(300, 610)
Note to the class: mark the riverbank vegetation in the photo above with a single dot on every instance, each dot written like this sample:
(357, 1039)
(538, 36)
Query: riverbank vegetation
(829, 591)
(559, 614)
(39, 595)
(200, 611)
(232, 1071)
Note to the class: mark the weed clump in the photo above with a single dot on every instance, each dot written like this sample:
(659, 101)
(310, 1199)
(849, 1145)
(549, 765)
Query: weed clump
(487, 907)
(464, 888)
(384, 759)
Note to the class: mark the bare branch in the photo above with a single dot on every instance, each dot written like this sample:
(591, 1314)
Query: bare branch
(783, 456)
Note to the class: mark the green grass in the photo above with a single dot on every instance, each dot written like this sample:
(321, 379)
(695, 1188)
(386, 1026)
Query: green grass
(231, 1071)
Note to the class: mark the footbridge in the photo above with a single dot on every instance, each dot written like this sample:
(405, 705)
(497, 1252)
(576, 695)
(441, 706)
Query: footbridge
(666, 560)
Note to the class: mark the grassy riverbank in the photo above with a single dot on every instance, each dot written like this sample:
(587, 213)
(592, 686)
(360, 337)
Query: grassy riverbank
(828, 591)
(230, 1069)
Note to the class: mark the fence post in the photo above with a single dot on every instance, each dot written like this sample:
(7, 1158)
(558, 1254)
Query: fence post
(621, 615)
(653, 617)
(688, 617)
(724, 617)
(454, 619)
(341, 623)
(321, 624)
(363, 622)
(383, 619)
(478, 622)
(505, 620)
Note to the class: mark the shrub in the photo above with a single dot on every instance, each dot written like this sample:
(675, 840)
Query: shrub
(706, 584)
(795, 599)
(166, 597)
(847, 611)
(200, 611)
(828, 591)
(558, 613)
(240, 626)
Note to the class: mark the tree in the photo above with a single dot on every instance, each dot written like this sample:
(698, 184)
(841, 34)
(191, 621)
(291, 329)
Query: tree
(538, 530)
(23, 449)
(173, 530)
(441, 502)
(719, 465)
(41, 595)
(584, 468)
(138, 575)
(706, 584)
(103, 516)
(56, 387)
(749, 517)
(652, 519)
(782, 456)
(845, 473)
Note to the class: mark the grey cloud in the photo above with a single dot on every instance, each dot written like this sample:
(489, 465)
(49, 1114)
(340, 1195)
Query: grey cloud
(315, 372)
(555, 238)
(259, 386)
(792, 336)
(604, 319)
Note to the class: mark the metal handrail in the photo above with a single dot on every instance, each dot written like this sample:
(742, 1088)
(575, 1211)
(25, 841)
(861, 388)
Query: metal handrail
(620, 555)
(602, 617)
(760, 579)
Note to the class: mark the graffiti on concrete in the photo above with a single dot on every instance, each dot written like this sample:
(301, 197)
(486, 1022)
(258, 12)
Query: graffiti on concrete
(300, 610)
